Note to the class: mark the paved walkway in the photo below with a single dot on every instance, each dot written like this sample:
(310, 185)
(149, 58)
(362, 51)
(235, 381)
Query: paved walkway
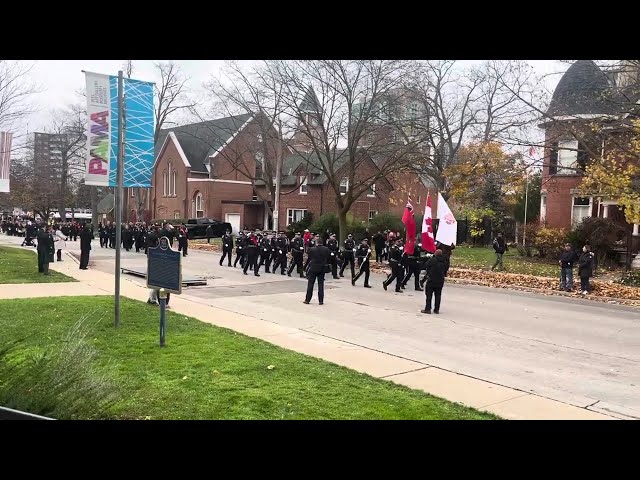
(506, 402)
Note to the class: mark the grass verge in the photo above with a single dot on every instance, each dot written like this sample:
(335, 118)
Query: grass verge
(484, 258)
(205, 372)
(21, 266)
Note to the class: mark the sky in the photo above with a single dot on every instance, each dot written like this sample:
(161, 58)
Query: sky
(60, 80)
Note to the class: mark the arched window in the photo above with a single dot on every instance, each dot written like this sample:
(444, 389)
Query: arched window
(173, 183)
(198, 205)
(165, 184)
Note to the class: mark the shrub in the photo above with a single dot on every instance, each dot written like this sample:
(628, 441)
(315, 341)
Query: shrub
(549, 241)
(58, 382)
(631, 278)
(300, 226)
(327, 221)
(601, 233)
(387, 221)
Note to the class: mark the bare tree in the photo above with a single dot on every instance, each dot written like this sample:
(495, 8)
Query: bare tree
(448, 99)
(253, 92)
(344, 116)
(15, 91)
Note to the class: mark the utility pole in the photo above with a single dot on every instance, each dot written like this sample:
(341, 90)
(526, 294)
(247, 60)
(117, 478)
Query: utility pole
(276, 201)
(118, 192)
(526, 205)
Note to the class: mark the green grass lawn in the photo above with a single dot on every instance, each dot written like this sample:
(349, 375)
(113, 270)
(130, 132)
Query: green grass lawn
(204, 372)
(21, 266)
(484, 258)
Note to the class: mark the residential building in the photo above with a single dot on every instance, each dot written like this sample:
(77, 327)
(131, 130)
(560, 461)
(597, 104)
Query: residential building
(585, 96)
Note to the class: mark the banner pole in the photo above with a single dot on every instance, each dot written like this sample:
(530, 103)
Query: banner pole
(118, 195)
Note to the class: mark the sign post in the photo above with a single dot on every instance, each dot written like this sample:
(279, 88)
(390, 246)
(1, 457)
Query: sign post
(164, 273)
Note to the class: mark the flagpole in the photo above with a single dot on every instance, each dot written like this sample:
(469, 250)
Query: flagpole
(526, 204)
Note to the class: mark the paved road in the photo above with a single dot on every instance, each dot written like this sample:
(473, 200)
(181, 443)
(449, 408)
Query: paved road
(575, 351)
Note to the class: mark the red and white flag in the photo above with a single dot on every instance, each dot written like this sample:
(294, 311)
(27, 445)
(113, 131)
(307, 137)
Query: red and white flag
(447, 225)
(428, 242)
(410, 226)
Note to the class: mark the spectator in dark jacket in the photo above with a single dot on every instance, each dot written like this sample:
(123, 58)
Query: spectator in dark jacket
(567, 261)
(436, 269)
(585, 269)
(500, 247)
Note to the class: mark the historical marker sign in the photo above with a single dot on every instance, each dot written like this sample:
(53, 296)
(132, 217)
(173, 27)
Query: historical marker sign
(164, 267)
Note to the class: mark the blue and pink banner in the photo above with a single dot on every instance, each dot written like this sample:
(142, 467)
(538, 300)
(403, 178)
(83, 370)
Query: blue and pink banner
(102, 131)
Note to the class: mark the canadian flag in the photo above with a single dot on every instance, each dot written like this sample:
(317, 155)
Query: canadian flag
(428, 242)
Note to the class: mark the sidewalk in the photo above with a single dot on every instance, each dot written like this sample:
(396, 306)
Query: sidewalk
(506, 402)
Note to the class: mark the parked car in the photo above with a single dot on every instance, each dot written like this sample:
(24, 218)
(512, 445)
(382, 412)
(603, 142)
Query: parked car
(197, 227)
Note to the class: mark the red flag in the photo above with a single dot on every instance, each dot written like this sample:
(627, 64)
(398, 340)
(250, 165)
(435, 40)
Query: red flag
(428, 242)
(410, 225)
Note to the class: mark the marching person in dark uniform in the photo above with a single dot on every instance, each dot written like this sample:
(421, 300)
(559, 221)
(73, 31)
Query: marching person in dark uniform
(347, 255)
(227, 247)
(265, 253)
(240, 244)
(274, 252)
(183, 242)
(251, 255)
(282, 246)
(315, 267)
(332, 245)
(112, 235)
(74, 231)
(363, 254)
(297, 254)
(126, 237)
(86, 235)
(436, 268)
(412, 268)
(46, 249)
(395, 257)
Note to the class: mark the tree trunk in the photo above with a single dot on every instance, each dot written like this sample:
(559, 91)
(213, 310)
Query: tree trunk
(342, 223)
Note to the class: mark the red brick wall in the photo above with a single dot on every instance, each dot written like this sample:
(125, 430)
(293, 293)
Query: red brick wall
(166, 206)
(213, 194)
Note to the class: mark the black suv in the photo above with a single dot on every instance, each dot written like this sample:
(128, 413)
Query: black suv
(197, 227)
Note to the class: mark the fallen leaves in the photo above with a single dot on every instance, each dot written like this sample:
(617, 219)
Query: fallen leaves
(206, 247)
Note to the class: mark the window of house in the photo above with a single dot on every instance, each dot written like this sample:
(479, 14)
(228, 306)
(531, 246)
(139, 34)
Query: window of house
(344, 186)
(173, 183)
(165, 184)
(372, 214)
(581, 210)
(199, 206)
(418, 200)
(543, 208)
(131, 193)
(567, 157)
(371, 192)
(259, 164)
(295, 215)
(176, 215)
(304, 188)
(259, 136)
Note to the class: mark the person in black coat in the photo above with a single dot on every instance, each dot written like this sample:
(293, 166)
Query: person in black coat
(86, 235)
(500, 247)
(567, 261)
(46, 249)
(363, 254)
(317, 260)
(379, 243)
(436, 269)
(297, 253)
(585, 269)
